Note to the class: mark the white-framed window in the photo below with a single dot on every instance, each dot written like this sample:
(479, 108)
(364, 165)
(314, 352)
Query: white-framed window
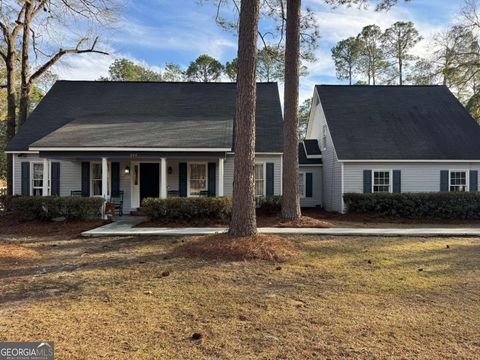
(96, 179)
(458, 181)
(260, 179)
(197, 178)
(302, 184)
(381, 181)
(324, 137)
(37, 179)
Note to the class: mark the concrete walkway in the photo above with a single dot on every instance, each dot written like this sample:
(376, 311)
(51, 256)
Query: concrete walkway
(125, 226)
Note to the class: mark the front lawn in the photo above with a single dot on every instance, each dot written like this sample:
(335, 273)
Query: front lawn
(342, 298)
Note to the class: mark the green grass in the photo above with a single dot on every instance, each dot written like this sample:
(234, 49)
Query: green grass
(107, 298)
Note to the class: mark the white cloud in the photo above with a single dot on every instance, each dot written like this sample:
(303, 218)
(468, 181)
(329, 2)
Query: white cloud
(83, 67)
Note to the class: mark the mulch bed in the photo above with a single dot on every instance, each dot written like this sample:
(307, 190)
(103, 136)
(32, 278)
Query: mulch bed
(263, 220)
(225, 247)
(10, 224)
(192, 223)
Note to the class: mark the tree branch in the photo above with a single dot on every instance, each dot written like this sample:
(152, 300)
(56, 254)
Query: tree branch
(55, 58)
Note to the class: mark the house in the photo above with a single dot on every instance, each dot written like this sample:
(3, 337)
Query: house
(160, 139)
(391, 139)
(142, 139)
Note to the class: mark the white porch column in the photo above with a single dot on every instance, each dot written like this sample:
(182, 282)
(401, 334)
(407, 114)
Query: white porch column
(46, 178)
(220, 176)
(104, 178)
(163, 178)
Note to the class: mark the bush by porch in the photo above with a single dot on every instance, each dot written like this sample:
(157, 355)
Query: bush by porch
(51, 207)
(186, 209)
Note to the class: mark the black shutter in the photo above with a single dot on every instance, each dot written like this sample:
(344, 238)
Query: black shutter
(444, 180)
(308, 185)
(270, 186)
(115, 179)
(55, 180)
(182, 179)
(367, 181)
(212, 181)
(85, 179)
(473, 180)
(25, 178)
(397, 181)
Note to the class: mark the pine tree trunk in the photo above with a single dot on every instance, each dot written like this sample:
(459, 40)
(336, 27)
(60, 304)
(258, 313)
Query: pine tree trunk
(244, 222)
(291, 199)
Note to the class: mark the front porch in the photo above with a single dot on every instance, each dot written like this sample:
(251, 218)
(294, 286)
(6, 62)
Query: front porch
(137, 179)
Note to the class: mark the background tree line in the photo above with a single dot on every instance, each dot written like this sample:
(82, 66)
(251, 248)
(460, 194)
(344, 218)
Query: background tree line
(205, 68)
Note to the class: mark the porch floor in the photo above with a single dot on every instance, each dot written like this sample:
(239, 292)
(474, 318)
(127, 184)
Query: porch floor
(125, 225)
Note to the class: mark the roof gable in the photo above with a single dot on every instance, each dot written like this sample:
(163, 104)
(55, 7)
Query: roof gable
(399, 123)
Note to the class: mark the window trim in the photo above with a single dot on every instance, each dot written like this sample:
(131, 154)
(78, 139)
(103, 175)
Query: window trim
(32, 177)
(467, 178)
(264, 190)
(109, 182)
(390, 183)
(205, 163)
(304, 195)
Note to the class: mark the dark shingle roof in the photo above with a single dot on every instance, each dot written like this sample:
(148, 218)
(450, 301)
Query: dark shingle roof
(147, 114)
(312, 147)
(302, 157)
(399, 123)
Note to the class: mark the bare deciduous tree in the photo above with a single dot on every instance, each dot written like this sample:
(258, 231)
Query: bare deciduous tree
(34, 20)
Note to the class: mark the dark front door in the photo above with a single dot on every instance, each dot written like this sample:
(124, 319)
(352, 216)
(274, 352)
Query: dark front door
(149, 180)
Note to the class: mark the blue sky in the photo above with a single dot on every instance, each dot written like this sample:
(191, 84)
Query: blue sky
(155, 32)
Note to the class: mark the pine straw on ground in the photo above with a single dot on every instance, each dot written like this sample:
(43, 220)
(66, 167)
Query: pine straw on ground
(342, 298)
(226, 247)
(305, 222)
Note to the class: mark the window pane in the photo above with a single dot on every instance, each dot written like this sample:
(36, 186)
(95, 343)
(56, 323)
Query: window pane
(259, 185)
(259, 180)
(301, 184)
(458, 181)
(38, 171)
(198, 178)
(97, 171)
(97, 187)
(37, 179)
(381, 181)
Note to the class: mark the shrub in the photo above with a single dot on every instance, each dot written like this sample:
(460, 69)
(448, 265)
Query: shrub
(50, 207)
(443, 205)
(269, 205)
(185, 209)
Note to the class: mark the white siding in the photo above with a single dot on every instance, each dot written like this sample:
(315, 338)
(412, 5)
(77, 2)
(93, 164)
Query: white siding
(70, 178)
(317, 179)
(277, 172)
(70, 175)
(415, 177)
(332, 168)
